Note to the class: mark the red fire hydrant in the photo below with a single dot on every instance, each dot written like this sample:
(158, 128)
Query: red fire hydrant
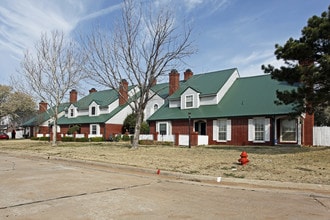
(243, 160)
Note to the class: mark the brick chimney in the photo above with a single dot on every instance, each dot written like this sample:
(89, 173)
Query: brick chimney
(188, 74)
(73, 96)
(174, 81)
(123, 92)
(154, 82)
(92, 90)
(42, 106)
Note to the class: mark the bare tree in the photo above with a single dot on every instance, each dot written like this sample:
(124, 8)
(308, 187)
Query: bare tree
(144, 45)
(51, 71)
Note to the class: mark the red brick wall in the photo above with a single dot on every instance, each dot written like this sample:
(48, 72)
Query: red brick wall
(152, 127)
(181, 127)
(43, 130)
(239, 131)
(84, 129)
(307, 132)
(112, 129)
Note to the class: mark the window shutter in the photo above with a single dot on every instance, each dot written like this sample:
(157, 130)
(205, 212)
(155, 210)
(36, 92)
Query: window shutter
(228, 130)
(215, 130)
(267, 129)
(251, 130)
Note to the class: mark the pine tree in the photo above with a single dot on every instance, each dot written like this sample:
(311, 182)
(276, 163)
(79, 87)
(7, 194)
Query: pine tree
(307, 64)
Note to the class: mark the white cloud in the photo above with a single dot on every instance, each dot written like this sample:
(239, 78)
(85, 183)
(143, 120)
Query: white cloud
(190, 4)
(101, 12)
(23, 21)
(253, 57)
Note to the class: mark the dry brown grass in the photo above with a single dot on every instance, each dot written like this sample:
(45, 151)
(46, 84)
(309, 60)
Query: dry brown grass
(279, 163)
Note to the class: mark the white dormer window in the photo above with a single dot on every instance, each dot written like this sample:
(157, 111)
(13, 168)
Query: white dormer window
(72, 112)
(94, 109)
(189, 101)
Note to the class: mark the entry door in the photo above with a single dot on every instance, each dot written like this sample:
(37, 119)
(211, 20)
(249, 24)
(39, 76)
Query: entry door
(200, 127)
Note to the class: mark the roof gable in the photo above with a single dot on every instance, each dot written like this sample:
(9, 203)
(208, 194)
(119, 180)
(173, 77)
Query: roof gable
(249, 96)
(102, 98)
(205, 84)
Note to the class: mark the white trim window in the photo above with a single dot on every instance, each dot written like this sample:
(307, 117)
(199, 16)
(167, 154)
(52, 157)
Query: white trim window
(94, 129)
(72, 112)
(259, 129)
(189, 100)
(163, 128)
(222, 130)
(288, 130)
(94, 109)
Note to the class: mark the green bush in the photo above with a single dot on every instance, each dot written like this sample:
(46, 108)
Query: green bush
(67, 139)
(144, 128)
(34, 138)
(146, 142)
(117, 138)
(73, 129)
(96, 139)
(126, 137)
(44, 138)
(82, 139)
(165, 143)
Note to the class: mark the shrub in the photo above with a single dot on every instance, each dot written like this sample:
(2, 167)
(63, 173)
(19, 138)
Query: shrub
(73, 129)
(117, 138)
(144, 128)
(126, 137)
(67, 139)
(34, 138)
(97, 139)
(146, 142)
(82, 139)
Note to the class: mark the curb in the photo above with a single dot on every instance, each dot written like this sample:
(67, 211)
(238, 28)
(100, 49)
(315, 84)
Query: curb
(211, 180)
(264, 185)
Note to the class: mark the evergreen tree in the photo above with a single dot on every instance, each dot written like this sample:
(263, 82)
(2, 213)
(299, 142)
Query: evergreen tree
(307, 64)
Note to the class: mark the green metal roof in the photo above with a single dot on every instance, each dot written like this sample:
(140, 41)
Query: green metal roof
(102, 98)
(86, 119)
(161, 89)
(249, 96)
(205, 84)
(45, 116)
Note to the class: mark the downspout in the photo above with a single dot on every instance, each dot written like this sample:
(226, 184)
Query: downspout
(105, 132)
(273, 126)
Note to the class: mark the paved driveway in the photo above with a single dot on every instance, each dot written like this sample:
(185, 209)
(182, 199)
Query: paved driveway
(37, 188)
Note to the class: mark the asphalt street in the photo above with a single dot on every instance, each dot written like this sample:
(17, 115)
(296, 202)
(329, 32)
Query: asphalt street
(47, 188)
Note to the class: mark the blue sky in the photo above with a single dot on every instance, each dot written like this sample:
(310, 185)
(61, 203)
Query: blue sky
(227, 33)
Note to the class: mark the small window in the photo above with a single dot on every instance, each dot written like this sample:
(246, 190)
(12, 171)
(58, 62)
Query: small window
(163, 128)
(222, 130)
(71, 113)
(155, 107)
(93, 110)
(94, 129)
(259, 129)
(189, 101)
(288, 130)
